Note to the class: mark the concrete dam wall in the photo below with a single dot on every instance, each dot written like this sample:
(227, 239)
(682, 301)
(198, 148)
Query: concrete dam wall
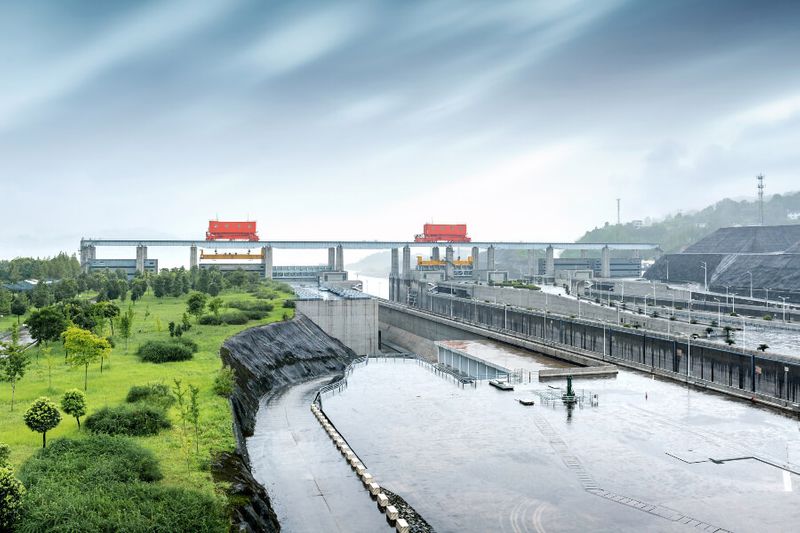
(748, 374)
(266, 358)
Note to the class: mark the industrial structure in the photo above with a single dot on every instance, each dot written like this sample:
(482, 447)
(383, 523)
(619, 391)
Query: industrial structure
(443, 233)
(752, 261)
(231, 248)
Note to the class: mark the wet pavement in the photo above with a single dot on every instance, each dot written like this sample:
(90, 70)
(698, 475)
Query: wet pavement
(474, 459)
(311, 486)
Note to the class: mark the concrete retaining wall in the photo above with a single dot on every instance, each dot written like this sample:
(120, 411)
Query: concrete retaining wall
(762, 377)
(353, 322)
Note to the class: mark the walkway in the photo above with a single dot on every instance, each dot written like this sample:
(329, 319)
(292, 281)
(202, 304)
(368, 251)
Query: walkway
(311, 486)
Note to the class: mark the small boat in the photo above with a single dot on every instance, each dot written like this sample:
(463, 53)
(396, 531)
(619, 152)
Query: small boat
(502, 385)
(525, 402)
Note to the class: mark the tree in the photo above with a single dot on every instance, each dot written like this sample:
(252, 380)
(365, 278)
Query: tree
(126, 325)
(47, 324)
(12, 493)
(74, 404)
(106, 310)
(19, 306)
(42, 416)
(84, 347)
(196, 304)
(214, 304)
(41, 296)
(14, 363)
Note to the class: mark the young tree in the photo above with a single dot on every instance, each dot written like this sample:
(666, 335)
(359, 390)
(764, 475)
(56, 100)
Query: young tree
(47, 324)
(42, 416)
(194, 415)
(126, 325)
(183, 413)
(84, 347)
(19, 306)
(214, 304)
(74, 404)
(196, 304)
(14, 363)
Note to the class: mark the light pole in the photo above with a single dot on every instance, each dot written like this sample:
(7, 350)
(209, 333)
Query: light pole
(704, 266)
(751, 283)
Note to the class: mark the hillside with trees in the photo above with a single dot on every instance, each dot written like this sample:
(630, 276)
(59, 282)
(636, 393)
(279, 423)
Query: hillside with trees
(677, 231)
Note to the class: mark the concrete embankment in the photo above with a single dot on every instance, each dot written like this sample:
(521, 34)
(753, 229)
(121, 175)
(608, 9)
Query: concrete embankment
(264, 359)
(763, 378)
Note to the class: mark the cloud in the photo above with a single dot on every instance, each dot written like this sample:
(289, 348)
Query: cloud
(147, 30)
(293, 44)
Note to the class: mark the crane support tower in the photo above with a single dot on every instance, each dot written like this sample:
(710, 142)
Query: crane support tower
(219, 230)
(443, 233)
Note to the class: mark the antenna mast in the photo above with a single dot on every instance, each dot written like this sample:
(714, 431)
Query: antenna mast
(760, 179)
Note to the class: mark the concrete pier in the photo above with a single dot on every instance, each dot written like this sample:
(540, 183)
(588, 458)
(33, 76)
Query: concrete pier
(332, 258)
(550, 263)
(605, 262)
(394, 276)
(475, 256)
(266, 261)
(448, 266)
(192, 257)
(339, 266)
(490, 258)
(141, 255)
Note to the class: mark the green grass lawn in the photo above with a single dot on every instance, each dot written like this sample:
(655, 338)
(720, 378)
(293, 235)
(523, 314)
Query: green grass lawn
(124, 369)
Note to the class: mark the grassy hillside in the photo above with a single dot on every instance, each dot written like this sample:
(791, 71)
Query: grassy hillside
(51, 377)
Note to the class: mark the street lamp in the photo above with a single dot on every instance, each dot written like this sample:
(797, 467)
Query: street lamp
(704, 266)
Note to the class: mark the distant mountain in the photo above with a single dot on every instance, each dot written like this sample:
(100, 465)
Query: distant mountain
(677, 231)
(377, 264)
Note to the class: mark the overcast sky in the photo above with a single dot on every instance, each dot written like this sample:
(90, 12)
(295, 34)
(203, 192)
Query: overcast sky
(363, 120)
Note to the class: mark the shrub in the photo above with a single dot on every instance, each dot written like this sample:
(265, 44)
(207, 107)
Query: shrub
(5, 452)
(12, 493)
(251, 306)
(156, 394)
(59, 506)
(234, 317)
(100, 459)
(105, 483)
(209, 320)
(135, 420)
(254, 314)
(164, 351)
(189, 343)
(223, 382)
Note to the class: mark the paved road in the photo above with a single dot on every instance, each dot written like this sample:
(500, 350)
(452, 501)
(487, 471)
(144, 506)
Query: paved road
(311, 486)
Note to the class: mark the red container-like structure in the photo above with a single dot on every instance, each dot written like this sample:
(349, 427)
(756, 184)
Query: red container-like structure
(219, 230)
(443, 233)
